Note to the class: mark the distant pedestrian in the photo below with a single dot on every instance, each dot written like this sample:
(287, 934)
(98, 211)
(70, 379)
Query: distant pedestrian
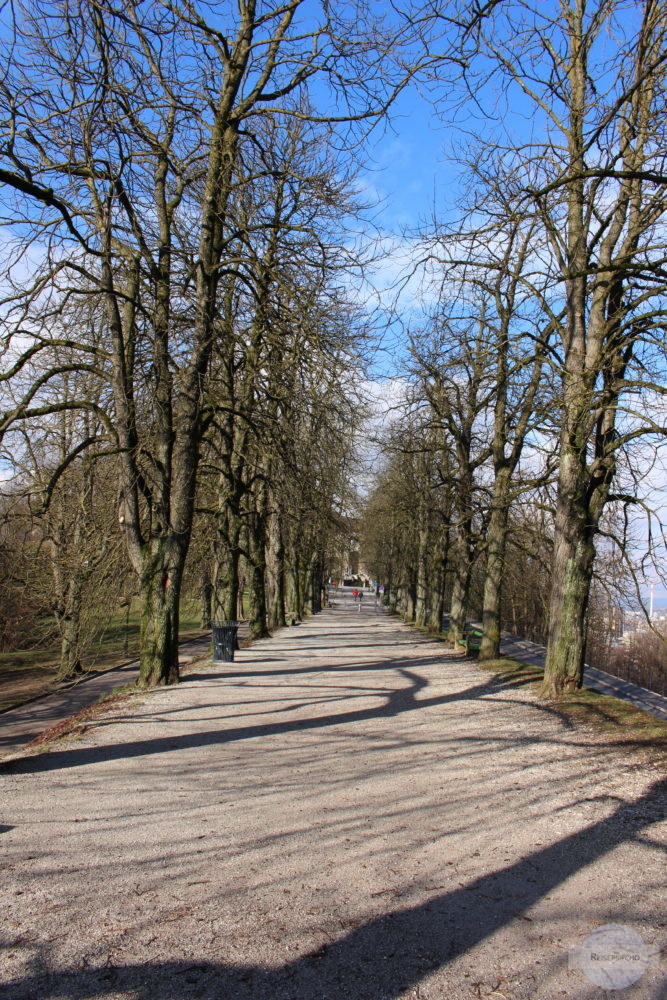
(355, 592)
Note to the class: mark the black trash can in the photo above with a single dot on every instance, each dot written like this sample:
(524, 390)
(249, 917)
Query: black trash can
(224, 640)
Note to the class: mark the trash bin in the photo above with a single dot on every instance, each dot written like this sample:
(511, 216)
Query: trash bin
(224, 640)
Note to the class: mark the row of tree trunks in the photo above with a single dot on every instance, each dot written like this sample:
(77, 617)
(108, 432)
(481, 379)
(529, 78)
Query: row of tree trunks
(156, 237)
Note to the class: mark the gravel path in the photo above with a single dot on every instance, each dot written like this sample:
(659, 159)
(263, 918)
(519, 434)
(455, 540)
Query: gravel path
(347, 811)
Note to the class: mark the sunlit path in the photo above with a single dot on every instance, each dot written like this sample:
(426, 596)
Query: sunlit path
(348, 810)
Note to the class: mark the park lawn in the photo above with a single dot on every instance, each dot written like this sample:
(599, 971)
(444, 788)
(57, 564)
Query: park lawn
(29, 673)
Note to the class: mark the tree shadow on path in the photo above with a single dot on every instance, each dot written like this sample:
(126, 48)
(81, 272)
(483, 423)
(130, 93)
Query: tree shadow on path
(396, 702)
(381, 958)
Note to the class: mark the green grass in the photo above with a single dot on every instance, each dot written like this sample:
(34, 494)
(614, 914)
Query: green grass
(27, 673)
(619, 721)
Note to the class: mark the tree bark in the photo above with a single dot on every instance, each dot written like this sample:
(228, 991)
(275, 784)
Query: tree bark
(462, 571)
(69, 626)
(226, 566)
(572, 570)
(160, 593)
(295, 594)
(422, 582)
(257, 560)
(206, 603)
(438, 599)
(410, 598)
(493, 579)
(276, 562)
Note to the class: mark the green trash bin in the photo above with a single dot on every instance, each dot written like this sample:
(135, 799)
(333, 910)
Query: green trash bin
(225, 640)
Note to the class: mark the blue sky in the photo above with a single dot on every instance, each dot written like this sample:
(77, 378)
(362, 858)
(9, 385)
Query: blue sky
(406, 178)
(409, 168)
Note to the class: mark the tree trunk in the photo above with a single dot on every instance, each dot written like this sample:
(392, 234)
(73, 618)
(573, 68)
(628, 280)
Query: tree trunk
(257, 559)
(316, 572)
(458, 608)
(206, 603)
(461, 584)
(573, 540)
(438, 603)
(226, 566)
(258, 616)
(229, 602)
(421, 586)
(304, 588)
(276, 574)
(160, 593)
(295, 602)
(69, 626)
(493, 581)
(410, 597)
(239, 610)
(572, 572)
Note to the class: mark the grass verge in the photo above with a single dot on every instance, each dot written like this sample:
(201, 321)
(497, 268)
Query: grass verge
(618, 721)
(76, 725)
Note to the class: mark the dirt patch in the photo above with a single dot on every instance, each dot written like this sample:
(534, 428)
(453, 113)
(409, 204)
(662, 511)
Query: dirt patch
(76, 725)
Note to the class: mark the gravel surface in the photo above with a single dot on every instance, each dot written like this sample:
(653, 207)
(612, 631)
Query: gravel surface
(347, 811)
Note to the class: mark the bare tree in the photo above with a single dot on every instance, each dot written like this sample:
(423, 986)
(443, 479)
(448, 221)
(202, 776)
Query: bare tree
(591, 169)
(491, 266)
(119, 147)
